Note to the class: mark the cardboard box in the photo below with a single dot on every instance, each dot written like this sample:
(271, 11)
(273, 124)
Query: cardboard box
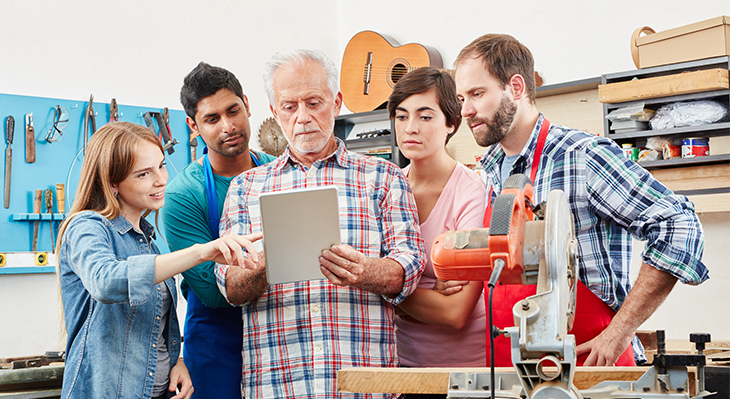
(705, 39)
(663, 86)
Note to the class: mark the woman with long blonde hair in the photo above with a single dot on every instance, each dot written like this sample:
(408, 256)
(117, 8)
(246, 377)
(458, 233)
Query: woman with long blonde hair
(117, 291)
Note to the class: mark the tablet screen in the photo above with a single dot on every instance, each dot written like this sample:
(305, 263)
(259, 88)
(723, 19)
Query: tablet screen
(298, 225)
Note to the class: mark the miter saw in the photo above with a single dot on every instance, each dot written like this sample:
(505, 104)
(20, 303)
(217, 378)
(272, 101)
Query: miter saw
(517, 250)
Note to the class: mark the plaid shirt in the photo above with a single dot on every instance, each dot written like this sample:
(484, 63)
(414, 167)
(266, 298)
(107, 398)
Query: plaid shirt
(297, 335)
(612, 198)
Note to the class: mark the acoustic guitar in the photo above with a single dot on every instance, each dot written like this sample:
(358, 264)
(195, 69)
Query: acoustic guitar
(373, 63)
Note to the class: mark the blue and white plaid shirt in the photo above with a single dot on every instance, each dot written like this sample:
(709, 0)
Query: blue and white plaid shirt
(612, 198)
(297, 335)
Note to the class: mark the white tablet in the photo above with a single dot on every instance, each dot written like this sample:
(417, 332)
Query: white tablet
(298, 225)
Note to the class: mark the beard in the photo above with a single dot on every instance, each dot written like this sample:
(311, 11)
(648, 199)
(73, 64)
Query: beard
(495, 129)
(314, 144)
(231, 151)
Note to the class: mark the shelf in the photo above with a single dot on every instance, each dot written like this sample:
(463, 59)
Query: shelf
(363, 117)
(721, 129)
(710, 130)
(695, 161)
(30, 217)
(568, 87)
(706, 95)
(368, 142)
(344, 124)
(27, 270)
(671, 69)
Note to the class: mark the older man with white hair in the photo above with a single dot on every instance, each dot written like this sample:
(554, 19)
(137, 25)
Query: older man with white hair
(297, 335)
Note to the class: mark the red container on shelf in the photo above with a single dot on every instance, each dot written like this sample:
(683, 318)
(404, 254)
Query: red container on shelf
(695, 147)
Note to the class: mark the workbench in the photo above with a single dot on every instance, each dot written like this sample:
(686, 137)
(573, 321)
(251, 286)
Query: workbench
(436, 380)
(32, 382)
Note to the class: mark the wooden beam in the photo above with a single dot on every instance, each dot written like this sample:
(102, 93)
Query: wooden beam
(663, 86)
(436, 380)
(709, 203)
(690, 173)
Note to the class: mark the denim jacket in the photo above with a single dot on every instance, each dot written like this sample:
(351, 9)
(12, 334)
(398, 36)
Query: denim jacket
(112, 308)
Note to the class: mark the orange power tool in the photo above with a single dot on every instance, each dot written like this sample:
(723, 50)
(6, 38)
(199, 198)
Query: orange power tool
(471, 254)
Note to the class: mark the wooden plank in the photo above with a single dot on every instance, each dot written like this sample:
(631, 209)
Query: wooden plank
(711, 202)
(435, 380)
(664, 86)
(32, 394)
(699, 178)
(700, 183)
(692, 173)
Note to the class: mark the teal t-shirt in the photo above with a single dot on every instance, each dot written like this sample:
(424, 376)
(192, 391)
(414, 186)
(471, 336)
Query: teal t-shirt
(185, 221)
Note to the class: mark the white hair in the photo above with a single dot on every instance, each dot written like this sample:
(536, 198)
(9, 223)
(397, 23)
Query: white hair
(298, 57)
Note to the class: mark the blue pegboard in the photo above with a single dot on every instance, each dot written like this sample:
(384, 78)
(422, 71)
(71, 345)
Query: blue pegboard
(55, 161)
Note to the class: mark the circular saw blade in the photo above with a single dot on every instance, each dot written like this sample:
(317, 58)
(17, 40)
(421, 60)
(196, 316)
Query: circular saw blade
(271, 138)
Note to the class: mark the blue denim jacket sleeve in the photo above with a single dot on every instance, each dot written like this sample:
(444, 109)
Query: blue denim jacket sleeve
(107, 278)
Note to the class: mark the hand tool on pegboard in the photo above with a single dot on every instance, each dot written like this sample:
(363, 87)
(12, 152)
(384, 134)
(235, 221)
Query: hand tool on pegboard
(167, 140)
(9, 131)
(89, 118)
(164, 134)
(113, 111)
(61, 197)
(60, 120)
(29, 139)
(49, 209)
(37, 203)
(193, 146)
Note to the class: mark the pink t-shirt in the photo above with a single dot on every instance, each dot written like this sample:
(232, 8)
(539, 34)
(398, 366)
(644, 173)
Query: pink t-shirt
(459, 207)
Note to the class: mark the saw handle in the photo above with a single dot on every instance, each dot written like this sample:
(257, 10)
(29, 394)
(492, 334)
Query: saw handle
(29, 139)
(38, 202)
(49, 200)
(61, 197)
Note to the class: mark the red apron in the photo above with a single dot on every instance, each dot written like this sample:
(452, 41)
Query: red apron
(592, 315)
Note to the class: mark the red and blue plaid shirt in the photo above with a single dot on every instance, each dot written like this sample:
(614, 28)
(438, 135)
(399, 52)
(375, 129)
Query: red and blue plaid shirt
(297, 335)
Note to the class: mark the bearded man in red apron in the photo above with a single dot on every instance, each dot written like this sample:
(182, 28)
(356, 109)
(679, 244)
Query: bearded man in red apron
(610, 196)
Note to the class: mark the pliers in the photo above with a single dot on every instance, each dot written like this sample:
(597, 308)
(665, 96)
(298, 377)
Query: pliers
(114, 111)
(89, 117)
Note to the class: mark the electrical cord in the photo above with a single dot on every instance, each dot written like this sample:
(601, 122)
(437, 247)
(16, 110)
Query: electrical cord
(498, 266)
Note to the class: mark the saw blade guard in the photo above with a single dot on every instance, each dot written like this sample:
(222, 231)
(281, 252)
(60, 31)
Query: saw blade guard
(470, 254)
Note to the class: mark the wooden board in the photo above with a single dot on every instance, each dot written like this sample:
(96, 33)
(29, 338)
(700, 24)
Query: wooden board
(663, 86)
(694, 177)
(699, 178)
(709, 203)
(436, 380)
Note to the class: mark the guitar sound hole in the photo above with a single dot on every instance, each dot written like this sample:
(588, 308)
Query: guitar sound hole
(397, 72)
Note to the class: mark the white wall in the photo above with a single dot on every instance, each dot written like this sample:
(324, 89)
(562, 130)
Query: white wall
(138, 52)
(703, 308)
